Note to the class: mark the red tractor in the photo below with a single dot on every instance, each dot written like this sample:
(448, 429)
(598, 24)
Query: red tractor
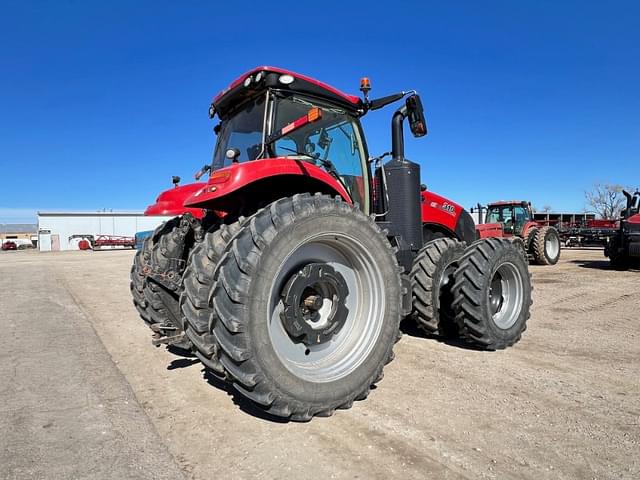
(514, 220)
(624, 246)
(293, 282)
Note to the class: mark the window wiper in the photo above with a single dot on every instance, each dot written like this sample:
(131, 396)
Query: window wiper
(297, 152)
(325, 163)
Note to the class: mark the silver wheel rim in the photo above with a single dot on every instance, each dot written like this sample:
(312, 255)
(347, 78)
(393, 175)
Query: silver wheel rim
(506, 296)
(552, 245)
(352, 344)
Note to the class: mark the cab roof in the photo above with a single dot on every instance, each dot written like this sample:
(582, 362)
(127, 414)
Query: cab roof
(257, 80)
(501, 203)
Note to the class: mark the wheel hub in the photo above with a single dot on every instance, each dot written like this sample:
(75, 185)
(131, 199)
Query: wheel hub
(496, 298)
(314, 304)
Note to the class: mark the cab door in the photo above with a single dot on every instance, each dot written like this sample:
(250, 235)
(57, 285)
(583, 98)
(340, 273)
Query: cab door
(508, 221)
(520, 218)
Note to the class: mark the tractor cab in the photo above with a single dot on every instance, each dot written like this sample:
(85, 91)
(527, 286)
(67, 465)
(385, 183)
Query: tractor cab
(295, 126)
(276, 115)
(512, 215)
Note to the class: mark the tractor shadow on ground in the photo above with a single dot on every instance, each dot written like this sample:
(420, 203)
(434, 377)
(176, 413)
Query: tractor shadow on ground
(188, 359)
(602, 265)
(408, 327)
(182, 363)
(244, 404)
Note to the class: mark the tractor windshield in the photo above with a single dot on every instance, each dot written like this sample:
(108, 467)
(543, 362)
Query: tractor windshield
(242, 130)
(333, 142)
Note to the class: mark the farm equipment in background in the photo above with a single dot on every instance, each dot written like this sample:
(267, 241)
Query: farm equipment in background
(81, 241)
(514, 220)
(113, 241)
(624, 247)
(591, 233)
(98, 242)
(308, 253)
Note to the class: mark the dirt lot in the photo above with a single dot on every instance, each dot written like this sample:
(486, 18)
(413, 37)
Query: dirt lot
(563, 403)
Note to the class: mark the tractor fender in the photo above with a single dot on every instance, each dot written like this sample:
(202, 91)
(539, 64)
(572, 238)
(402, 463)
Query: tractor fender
(261, 180)
(528, 226)
(171, 202)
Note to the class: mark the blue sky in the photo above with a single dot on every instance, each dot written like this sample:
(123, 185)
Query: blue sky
(103, 101)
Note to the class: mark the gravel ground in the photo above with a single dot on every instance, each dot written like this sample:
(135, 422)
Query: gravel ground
(563, 403)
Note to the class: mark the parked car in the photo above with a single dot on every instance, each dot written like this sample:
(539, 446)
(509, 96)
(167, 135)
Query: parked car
(9, 245)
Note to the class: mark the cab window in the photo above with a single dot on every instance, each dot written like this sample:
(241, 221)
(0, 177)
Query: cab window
(333, 142)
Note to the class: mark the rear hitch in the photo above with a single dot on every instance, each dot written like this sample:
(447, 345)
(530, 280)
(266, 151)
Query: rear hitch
(158, 340)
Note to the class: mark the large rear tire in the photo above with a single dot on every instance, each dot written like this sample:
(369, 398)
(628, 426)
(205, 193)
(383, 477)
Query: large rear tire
(492, 294)
(307, 306)
(431, 280)
(546, 246)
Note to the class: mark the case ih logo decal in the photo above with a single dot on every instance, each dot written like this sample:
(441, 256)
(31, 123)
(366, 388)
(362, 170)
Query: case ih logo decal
(450, 209)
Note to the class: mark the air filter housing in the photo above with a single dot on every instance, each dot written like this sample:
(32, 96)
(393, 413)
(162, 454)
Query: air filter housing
(404, 206)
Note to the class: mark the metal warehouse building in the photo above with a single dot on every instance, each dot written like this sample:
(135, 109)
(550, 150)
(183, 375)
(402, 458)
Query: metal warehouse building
(55, 229)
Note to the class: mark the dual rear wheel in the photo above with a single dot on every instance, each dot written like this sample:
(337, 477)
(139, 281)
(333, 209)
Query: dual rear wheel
(480, 293)
(544, 246)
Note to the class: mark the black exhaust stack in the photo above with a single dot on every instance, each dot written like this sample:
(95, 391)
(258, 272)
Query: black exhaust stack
(480, 214)
(401, 201)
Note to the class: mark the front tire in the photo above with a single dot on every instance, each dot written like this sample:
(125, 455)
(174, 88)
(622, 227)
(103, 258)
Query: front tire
(157, 304)
(138, 282)
(307, 306)
(492, 294)
(618, 258)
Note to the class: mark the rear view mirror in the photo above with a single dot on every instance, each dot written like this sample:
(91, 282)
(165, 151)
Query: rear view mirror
(415, 113)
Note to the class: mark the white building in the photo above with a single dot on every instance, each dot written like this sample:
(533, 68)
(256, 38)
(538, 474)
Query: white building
(56, 229)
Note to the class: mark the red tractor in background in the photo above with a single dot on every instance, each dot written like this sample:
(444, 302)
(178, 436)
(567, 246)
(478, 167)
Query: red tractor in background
(292, 282)
(514, 220)
(624, 246)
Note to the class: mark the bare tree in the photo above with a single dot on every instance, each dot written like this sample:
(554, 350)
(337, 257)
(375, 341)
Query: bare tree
(606, 199)
(546, 208)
